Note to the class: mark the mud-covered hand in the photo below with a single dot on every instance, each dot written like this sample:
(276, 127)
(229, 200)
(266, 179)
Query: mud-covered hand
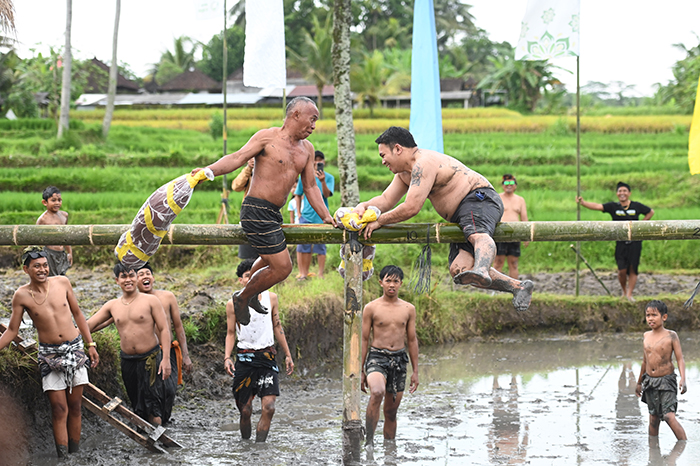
(94, 357)
(290, 364)
(638, 390)
(683, 387)
(414, 382)
(187, 364)
(165, 369)
(363, 382)
(228, 365)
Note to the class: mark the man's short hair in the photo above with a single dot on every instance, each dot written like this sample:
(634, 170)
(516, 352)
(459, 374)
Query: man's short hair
(50, 191)
(622, 184)
(32, 252)
(391, 271)
(397, 135)
(120, 268)
(244, 266)
(508, 177)
(319, 155)
(658, 305)
(147, 265)
(295, 102)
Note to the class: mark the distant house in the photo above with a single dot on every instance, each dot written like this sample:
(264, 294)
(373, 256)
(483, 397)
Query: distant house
(98, 80)
(191, 81)
(454, 92)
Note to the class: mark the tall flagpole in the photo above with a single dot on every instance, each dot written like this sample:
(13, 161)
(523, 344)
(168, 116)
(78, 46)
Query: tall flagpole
(223, 214)
(578, 166)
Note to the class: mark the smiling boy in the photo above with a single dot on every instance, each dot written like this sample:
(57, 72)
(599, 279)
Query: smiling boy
(392, 322)
(657, 379)
(60, 258)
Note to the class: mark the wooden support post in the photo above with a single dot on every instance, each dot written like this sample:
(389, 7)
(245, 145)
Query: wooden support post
(352, 351)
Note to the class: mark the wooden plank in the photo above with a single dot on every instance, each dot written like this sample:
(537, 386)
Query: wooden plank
(109, 407)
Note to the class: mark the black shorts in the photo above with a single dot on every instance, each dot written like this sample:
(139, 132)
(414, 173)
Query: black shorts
(391, 364)
(256, 373)
(508, 249)
(479, 212)
(262, 222)
(627, 254)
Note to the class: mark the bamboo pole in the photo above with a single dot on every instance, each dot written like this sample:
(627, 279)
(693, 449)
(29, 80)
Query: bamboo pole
(403, 233)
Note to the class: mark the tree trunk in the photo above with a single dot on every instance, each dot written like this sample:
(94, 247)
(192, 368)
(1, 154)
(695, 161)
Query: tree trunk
(63, 120)
(349, 188)
(319, 89)
(113, 70)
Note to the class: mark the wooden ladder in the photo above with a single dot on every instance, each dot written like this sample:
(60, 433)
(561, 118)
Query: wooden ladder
(105, 407)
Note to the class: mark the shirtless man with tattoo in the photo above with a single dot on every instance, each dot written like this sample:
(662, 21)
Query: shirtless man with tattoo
(459, 195)
(281, 155)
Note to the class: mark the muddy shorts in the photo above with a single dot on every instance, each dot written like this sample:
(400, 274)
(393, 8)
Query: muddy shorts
(262, 222)
(58, 262)
(144, 386)
(627, 254)
(391, 364)
(479, 212)
(659, 393)
(508, 249)
(256, 373)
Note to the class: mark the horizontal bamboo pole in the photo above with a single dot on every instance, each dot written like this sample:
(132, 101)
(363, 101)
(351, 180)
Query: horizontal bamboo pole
(102, 235)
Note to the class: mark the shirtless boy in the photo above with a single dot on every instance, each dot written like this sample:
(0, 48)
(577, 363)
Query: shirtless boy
(514, 210)
(281, 154)
(60, 257)
(657, 379)
(392, 322)
(141, 323)
(52, 306)
(255, 371)
(459, 195)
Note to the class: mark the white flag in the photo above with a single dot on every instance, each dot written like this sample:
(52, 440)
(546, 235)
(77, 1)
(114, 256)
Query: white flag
(208, 9)
(550, 29)
(264, 63)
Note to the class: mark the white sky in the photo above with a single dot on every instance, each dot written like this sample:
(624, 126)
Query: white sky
(621, 40)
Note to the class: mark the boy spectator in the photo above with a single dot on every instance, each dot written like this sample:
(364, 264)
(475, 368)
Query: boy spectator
(514, 210)
(326, 184)
(391, 321)
(60, 257)
(627, 253)
(255, 371)
(52, 306)
(657, 378)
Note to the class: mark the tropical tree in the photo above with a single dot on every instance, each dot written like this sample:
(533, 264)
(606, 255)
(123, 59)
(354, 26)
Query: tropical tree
(177, 61)
(452, 18)
(7, 16)
(682, 89)
(113, 70)
(63, 120)
(374, 78)
(315, 61)
(523, 80)
(212, 62)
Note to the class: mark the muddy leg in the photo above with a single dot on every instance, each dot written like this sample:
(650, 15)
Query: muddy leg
(522, 291)
(484, 253)
(377, 389)
(268, 410)
(654, 422)
(675, 426)
(59, 420)
(391, 407)
(279, 266)
(246, 410)
(631, 283)
(74, 401)
(622, 278)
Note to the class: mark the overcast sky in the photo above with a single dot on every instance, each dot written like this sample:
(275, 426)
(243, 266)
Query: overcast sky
(621, 40)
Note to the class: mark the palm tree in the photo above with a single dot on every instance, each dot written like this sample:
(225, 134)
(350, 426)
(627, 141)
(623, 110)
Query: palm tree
(316, 62)
(181, 56)
(113, 70)
(7, 16)
(67, 68)
(374, 78)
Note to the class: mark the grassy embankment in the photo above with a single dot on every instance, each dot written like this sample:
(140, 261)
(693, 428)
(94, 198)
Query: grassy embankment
(107, 181)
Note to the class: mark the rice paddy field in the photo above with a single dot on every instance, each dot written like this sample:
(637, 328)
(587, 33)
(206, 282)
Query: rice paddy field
(105, 182)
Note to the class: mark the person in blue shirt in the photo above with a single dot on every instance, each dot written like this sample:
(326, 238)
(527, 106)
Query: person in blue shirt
(326, 183)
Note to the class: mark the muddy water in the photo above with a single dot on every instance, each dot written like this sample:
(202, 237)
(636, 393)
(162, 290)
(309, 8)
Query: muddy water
(559, 401)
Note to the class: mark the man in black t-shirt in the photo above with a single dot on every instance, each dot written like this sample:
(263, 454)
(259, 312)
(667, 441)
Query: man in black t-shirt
(627, 253)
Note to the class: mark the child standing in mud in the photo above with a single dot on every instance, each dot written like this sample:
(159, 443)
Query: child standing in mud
(392, 322)
(255, 371)
(657, 379)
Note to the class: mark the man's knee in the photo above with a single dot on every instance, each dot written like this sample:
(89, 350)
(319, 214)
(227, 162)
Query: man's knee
(377, 393)
(59, 410)
(246, 410)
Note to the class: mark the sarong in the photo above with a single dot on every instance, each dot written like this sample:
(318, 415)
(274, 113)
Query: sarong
(479, 212)
(174, 380)
(256, 373)
(66, 358)
(660, 394)
(262, 222)
(391, 364)
(145, 388)
(58, 262)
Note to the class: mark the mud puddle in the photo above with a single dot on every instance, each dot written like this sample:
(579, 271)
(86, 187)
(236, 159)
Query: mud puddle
(561, 401)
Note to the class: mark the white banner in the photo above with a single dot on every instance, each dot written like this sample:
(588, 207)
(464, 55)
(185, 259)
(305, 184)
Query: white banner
(550, 29)
(264, 63)
(209, 9)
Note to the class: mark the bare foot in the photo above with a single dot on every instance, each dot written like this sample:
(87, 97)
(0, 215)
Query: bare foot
(522, 296)
(631, 299)
(240, 308)
(257, 307)
(469, 277)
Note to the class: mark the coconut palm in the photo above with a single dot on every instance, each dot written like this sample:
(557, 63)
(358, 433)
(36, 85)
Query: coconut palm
(63, 120)
(113, 70)
(374, 78)
(7, 16)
